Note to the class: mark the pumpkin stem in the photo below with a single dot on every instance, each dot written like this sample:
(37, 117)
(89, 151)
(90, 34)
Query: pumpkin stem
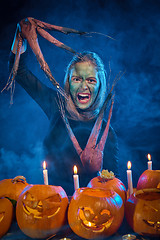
(105, 174)
(19, 179)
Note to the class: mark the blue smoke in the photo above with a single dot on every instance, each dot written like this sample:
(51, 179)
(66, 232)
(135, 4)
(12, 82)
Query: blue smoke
(135, 53)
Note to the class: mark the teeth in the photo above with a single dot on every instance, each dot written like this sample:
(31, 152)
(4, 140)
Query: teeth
(83, 94)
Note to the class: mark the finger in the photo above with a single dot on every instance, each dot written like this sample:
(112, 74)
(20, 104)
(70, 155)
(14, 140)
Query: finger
(57, 28)
(53, 40)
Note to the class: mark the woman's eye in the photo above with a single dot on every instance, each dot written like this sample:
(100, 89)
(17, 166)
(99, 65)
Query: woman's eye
(91, 80)
(76, 79)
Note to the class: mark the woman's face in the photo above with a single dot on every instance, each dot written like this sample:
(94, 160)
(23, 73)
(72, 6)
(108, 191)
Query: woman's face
(84, 84)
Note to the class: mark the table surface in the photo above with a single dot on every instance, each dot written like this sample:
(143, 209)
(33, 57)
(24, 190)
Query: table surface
(15, 233)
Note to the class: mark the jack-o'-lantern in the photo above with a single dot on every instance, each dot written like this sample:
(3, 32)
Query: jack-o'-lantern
(143, 212)
(107, 180)
(94, 213)
(149, 179)
(41, 210)
(12, 188)
(6, 215)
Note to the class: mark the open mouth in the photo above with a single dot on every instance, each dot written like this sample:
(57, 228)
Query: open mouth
(83, 97)
(95, 226)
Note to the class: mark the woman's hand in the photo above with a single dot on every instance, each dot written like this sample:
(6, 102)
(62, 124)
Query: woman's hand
(27, 30)
(15, 42)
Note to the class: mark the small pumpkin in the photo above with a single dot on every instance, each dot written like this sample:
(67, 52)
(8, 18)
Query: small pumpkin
(143, 212)
(12, 188)
(107, 180)
(6, 215)
(149, 179)
(41, 210)
(94, 213)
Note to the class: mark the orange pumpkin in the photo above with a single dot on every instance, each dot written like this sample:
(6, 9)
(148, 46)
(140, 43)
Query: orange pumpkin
(109, 183)
(6, 215)
(143, 212)
(94, 213)
(12, 188)
(41, 210)
(149, 179)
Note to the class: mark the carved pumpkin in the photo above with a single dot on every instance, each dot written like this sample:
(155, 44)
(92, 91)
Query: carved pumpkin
(149, 179)
(12, 188)
(108, 182)
(143, 212)
(41, 210)
(6, 215)
(94, 212)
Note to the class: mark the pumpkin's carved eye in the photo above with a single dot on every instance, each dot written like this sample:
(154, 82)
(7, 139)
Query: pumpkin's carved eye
(150, 208)
(88, 213)
(39, 208)
(2, 216)
(54, 198)
(104, 216)
(52, 204)
(29, 197)
(30, 200)
(105, 211)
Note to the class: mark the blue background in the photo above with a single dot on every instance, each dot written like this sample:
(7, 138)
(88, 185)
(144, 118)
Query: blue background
(135, 26)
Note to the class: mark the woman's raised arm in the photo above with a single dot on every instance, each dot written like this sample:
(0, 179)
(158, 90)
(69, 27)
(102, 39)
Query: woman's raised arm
(43, 95)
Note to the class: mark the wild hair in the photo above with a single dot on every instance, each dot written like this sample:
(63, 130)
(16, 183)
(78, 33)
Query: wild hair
(92, 111)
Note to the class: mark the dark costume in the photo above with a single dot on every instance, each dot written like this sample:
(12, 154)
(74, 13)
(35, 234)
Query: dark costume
(61, 155)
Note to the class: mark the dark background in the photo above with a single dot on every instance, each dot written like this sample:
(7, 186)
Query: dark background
(135, 26)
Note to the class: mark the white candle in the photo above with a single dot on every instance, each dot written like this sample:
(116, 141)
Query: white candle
(149, 161)
(129, 178)
(75, 178)
(45, 173)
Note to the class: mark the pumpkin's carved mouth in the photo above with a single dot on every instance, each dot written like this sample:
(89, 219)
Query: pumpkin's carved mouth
(1, 216)
(155, 225)
(95, 224)
(39, 212)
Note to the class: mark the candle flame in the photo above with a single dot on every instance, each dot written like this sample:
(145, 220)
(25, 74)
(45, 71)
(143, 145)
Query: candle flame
(149, 157)
(44, 165)
(129, 165)
(75, 169)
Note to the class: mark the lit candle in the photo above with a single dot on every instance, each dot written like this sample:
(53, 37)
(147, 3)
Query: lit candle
(65, 238)
(149, 161)
(129, 178)
(45, 173)
(128, 237)
(75, 178)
